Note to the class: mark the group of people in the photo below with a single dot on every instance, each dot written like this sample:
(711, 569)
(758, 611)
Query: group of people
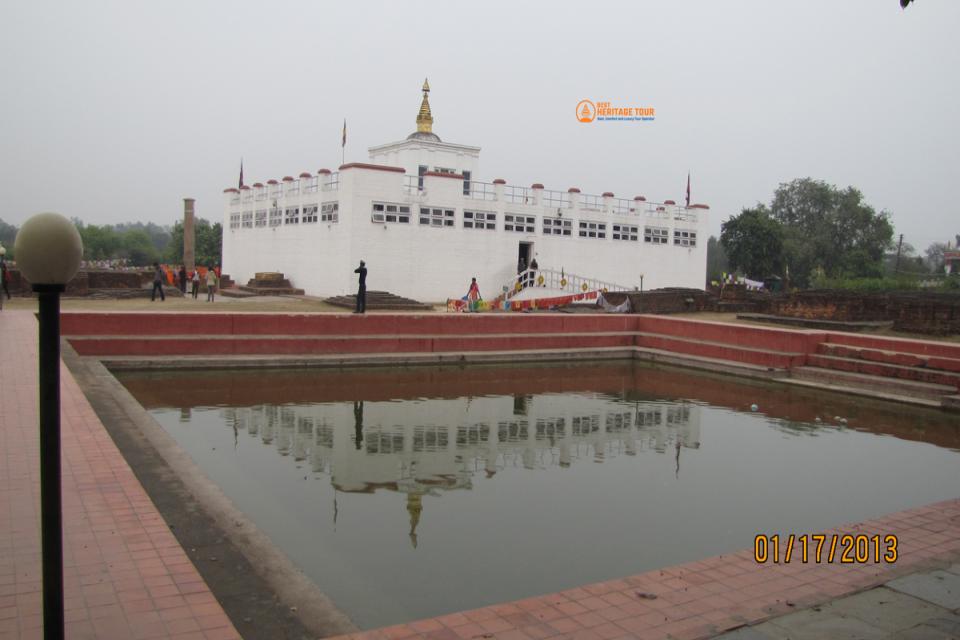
(526, 280)
(180, 279)
(114, 264)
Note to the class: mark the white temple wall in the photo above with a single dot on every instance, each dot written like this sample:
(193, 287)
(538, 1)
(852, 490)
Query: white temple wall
(433, 263)
(411, 154)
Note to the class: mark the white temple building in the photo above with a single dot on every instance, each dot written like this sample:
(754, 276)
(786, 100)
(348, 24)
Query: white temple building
(424, 224)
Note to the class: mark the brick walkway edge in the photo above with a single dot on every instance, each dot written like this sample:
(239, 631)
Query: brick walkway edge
(700, 599)
(125, 575)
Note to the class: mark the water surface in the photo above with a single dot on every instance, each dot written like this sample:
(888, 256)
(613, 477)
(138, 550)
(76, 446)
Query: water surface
(406, 493)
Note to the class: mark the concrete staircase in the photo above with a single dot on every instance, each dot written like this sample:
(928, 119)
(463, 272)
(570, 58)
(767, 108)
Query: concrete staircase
(380, 301)
(912, 371)
(269, 284)
(901, 369)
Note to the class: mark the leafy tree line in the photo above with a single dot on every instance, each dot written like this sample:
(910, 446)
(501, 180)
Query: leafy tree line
(140, 243)
(810, 229)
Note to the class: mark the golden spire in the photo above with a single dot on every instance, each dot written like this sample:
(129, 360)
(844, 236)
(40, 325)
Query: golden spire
(424, 118)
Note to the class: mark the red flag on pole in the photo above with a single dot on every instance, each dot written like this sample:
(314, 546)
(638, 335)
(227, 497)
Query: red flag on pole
(688, 188)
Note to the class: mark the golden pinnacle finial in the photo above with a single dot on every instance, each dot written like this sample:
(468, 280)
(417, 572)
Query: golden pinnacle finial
(425, 118)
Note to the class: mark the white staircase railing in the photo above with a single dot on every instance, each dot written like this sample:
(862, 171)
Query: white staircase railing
(556, 281)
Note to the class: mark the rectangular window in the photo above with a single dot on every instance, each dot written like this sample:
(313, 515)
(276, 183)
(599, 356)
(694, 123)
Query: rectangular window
(292, 214)
(656, 235)
(520, 224)
(330, 212)
(276, 217)
(466, 183)
(557, 227)
(480, 220)
(625, 232)
(684, 238)
(260, 220)
(422, 169)
(392, 213)
(593, 229)
(248, 219)
(436, 217)
(234, 220)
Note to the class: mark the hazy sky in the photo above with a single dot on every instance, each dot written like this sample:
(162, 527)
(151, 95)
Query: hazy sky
(114, 111)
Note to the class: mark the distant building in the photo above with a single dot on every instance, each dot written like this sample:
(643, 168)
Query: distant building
(424, 224)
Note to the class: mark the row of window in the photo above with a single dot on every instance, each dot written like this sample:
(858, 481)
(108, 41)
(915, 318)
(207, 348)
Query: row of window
(481, 220)
(487, 221)
(327, 212)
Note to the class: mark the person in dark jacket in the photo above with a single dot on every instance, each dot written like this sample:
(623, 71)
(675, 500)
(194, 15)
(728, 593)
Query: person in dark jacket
(5, 277)
(183, 279)
(158, 278)
(362, 289)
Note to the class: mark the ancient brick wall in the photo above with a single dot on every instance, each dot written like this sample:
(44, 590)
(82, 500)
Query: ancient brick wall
(660, 301)
(86, 281)
(919, 312)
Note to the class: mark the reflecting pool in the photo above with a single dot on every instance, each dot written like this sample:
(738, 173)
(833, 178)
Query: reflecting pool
(406, 493)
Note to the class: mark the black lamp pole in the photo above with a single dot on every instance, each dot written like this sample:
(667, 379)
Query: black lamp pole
(49, 252)
(51, 513)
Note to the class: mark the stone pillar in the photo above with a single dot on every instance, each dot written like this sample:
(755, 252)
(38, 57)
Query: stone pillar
(537, 193)
(189, 236)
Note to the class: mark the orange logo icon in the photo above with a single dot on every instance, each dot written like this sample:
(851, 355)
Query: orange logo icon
(586, 111)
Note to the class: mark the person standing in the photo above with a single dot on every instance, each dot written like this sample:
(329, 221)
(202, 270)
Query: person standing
(158, 278)
(473, 295)
(211, 284)
(196, 283)
(183, 280)
(362, 289)
(5, 277)
(533, 269)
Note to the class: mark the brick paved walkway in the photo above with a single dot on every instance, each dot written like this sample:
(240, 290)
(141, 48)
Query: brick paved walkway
(125, 574)
(699, 599)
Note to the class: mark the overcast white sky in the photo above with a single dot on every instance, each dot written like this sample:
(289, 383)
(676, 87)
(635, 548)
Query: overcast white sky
(114, 111)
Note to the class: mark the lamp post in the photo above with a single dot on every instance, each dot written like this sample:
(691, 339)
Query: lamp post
(49, 250)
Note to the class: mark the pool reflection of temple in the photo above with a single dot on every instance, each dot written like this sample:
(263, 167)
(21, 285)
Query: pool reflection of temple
(419, 448)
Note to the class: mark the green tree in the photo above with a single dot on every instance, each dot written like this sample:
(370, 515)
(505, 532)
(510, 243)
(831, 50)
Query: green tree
(99, 243)
(208, 243)
(830, 230)
(138, 248)
(8, 235)
(934, 255)
(717, 261)
(753, 241)
(159, 236)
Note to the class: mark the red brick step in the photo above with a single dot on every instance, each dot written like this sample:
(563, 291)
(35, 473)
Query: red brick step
(859, 365)
(890, 357)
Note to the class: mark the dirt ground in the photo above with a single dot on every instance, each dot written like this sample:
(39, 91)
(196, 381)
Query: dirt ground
(222, 304)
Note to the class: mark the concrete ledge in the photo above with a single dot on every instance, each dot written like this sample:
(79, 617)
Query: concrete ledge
(867, 393)
(238, 569)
